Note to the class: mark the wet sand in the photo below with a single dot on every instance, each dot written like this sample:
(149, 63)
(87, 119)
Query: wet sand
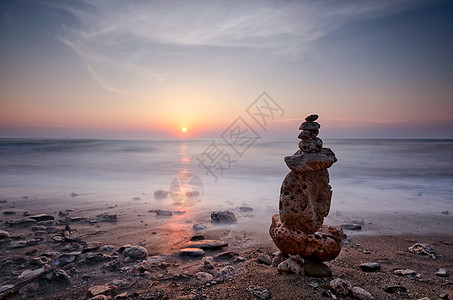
(384, 238)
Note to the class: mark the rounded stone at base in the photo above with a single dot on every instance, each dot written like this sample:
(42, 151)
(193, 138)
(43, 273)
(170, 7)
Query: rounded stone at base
(323, 245)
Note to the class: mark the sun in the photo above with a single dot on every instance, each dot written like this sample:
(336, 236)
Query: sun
(184, 129)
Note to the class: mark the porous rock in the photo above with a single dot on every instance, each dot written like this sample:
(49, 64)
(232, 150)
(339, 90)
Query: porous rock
(341, 286)
(259, 291)
(301, 161)
(423, 249)
(323, 245)
(290, 266)
(137, 252)
(225, 216)
(362, 294)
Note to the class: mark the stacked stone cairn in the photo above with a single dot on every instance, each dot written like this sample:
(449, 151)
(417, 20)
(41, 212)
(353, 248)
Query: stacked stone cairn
(305, 197)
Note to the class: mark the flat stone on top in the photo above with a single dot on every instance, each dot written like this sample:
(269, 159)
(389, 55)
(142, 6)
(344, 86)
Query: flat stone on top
(207, 244)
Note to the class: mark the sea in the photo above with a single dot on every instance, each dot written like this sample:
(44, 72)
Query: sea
(370, 176)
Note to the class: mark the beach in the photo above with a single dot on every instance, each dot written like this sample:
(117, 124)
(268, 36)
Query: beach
(87, 208)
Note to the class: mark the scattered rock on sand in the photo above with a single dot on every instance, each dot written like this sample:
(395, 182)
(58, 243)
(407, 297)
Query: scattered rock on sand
(259, 291)
(199, 227)
(265, 259)
(160, 194)
(225, 216)
(99, 289)
(341, 286)
(351, 226)
(361, 294)
(316, 268)
(136, 252)
(370, 267)
(442, 273)
(423, 249)
(227, 271)
(4, 234)
(245, 209)
(192, 252)
(395, 289)
(42, 217)
(207, 244)
(290, 266)
(203, 276)
(106, 217)
(405, 272)
(163, 213)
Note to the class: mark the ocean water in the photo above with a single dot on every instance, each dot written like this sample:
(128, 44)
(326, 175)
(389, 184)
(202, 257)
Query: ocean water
(373, 176)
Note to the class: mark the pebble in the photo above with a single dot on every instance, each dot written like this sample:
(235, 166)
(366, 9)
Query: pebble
(278, 258)
(203, 276)
(290, 266)
(259, 291)
(136, 198)
(317, 268)
(60, 275)
(361, 294)
(227, 271)
(17, 244)
(445, 212)
(370, 267)
(99, 289)
(6, 287)
(106, 217)
(225, 216)
(442, 273)
(341, 286)
(226, 255)
(197, 238)
(160, 194)
(193, 252)
(207, 244)
(42, 217)
(107, 248)
(4, 234)
(30, 273)
(137, 252)
(96, 257)
(90, 248)
(395, 289)
(423, 249)
(163, 213)
(23, 222)
(404, 272)
(198, 227)
(349, 226)
(245, 209)
(265, 259)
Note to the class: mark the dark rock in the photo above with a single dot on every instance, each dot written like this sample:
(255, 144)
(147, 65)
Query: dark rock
(207, 244)
(63, 259)
(63, 213)
(160, 194)
(245, 209)
(197, 238)
(74, 219)
(114, 265)
(445, 212)
(60, 276)
(122, 248)
(192, 252)
(311, 118)
(404, 272)
(4, 234)
(226, 255)
(9, 212)
(199, 227)
(370, 267)
(22, 222)
(18, 259)
(178, 212)
(350, 226)
(42, 217)
(280, 257)
(259, 292)
(359, 221)
(395, 289)
(316, 268)
(223, 217)
(40, 261)
(93, 258)
(443, 296)
(106, 217)
(163, 213)
(90, 248)
(31, 252)
(227, 271)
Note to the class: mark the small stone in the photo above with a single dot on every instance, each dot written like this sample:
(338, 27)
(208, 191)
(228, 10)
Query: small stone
(107, 249)
(279, 258)
(136, 252)
(23, 222)
(17, 244)
(42, 217)
(423, 249)
(404, 272)
(30, 273)
(136, 198)
(73, 194)
(207, 244)
(316, 268)
(361, 294)
(160, 194)
(341, 286)
(203, 276)
(245, 209)
(223, 217)
(4, 234)
(265, 259)
(63, 259)
(93, 258)
(197, 238)
(40, 261)
(9, 212)
(350, 226)
(90, 248)
(163, 213)
(370, 267)
(4, 288)
(60, 275)
(227, 271)
(259, 291)
(199, 227)
(395, 289)
(310, 126)
(99, 289)
(226, 255)
(290, 266)
(445, 212)
(359, 221)
(192, 252)
(311, 118)
(106, 217)
(442, 273)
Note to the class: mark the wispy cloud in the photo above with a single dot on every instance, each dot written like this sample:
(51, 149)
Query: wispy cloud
(133, 35)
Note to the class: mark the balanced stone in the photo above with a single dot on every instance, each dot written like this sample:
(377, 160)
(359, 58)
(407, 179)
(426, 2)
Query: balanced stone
(311, 145)
(311, 118)
(309, 126)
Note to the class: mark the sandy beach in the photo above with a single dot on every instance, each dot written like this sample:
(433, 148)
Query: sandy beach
(164, 274)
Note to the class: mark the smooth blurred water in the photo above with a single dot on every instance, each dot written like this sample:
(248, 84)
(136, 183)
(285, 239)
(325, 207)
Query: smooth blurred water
(370, 175)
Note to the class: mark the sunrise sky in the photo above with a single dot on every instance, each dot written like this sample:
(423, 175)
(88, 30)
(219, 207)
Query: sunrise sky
(132, 69)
